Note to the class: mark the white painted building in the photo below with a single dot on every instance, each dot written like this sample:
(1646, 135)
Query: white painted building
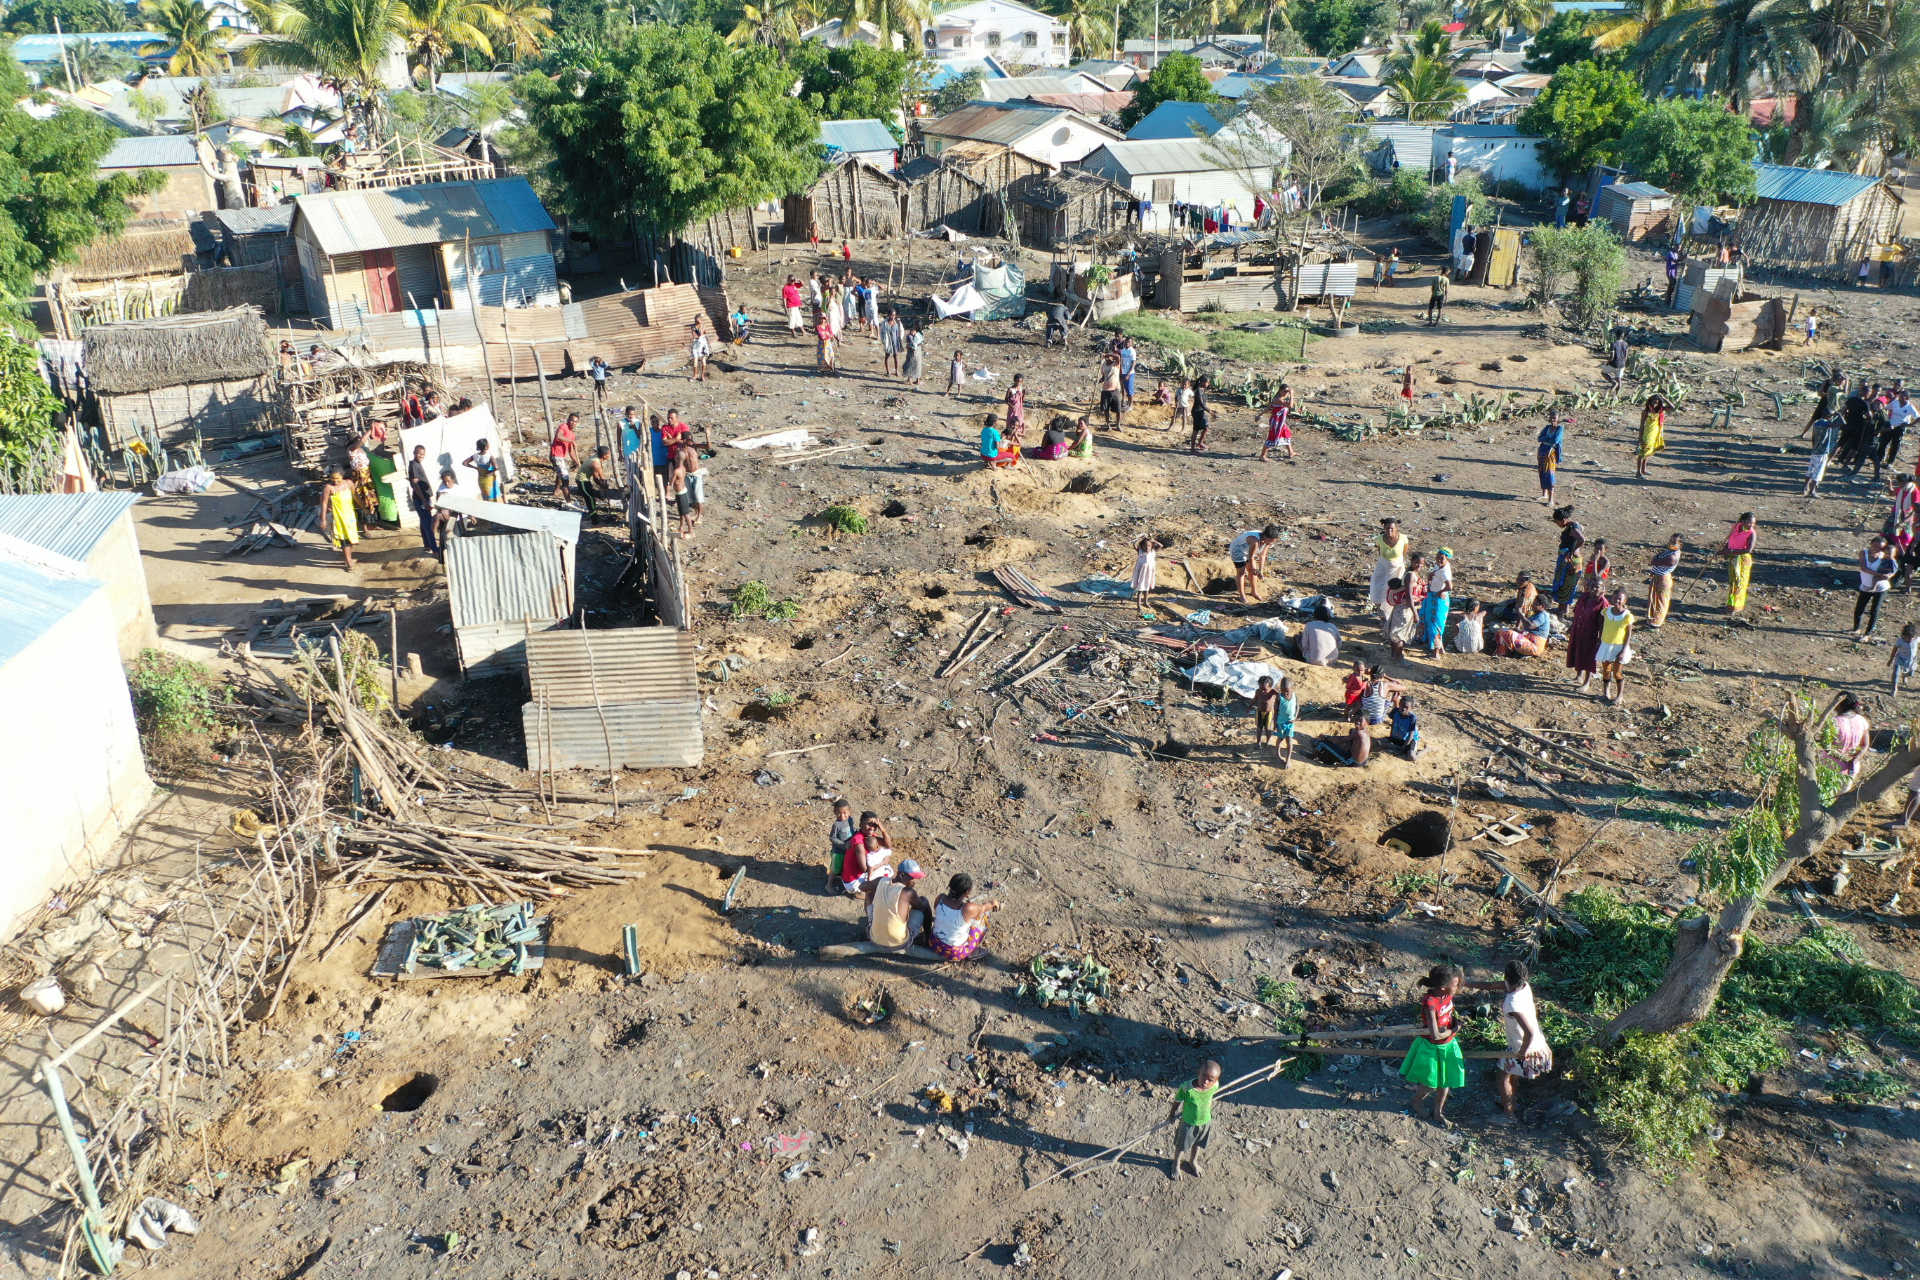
(1163, 173)
(1494, 153)
(1002, 29)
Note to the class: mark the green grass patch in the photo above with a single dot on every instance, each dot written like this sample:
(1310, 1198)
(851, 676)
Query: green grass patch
(1286, 342)
(1226, 319)
(1289, 1019)
(844, 518)
(1408, 883)
(1145, 326)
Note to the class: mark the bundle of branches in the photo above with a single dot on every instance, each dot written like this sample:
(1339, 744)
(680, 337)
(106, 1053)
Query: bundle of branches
(492, 863)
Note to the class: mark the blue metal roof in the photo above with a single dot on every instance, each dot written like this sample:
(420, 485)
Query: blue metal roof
(1173, 122)
(989, 69)
(1636, 190)
(162, 152)
(46, 48)
(68, 524)
(856, 136)
(1810, 186)
(1237, 86)
(36, 603)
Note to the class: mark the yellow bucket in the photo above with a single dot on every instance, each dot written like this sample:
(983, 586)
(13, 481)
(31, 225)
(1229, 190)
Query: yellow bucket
(733, 251)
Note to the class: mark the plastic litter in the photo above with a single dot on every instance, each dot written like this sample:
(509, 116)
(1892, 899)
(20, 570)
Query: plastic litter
(155, 1217)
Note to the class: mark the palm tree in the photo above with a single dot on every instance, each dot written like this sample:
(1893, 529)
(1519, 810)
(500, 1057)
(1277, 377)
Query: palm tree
(1427, 87)
(183, 24)
(773, 22)
(1497, 17)
(522, 27)
(1740, 42)
(344, 39)
(90, 63)
(1625, 30)
(1090, 23)
(904, 17)
(432, 28)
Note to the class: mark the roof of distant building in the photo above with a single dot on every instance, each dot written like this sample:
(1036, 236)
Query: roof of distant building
(67, 524)
(1174, 122)
(433, 213)
(1810, 186)
(856, 136)
(163, 152)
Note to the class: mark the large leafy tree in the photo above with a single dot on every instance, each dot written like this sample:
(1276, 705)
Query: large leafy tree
(1698, 150)
(857, 82)
(957, 92)
(182, 26)
(773, 22)
(1178, 78)
(902, 17)
(52, 200)
(672, 125)
(1426, 87)
(1581, 114)
(36, 16)
(1333, 27)
(1561, 43)
(1497, 17)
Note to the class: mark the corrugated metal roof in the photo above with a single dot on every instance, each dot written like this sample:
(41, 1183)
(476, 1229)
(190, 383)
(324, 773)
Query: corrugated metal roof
(1810, 186)
(1635, 190)
(1173, 122)
(564, 525)
(42, 47)
(504, 577)
(856, 136)
(257, 222)
(645, 735)
(433, 213)
(1238, 86)
(636, 664)
(68, 524)
(36, 603)
(1141, 158)
(1002, 122)
(496, 648)
(150, 153)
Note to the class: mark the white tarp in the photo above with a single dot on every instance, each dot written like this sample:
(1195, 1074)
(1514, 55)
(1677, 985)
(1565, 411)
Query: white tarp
(965, 299)
(1241, 677)
(794, 439)
(450, 441)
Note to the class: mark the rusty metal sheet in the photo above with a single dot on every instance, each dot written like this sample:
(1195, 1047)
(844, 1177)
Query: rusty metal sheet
(630, 665)
(643, 735)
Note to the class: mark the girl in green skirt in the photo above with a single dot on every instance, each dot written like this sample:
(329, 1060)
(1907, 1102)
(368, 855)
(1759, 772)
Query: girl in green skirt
(1434, 1063)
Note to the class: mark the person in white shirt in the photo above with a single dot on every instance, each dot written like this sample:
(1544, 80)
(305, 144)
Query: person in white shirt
(1899, 413)
(698, 351)
(1249, 555)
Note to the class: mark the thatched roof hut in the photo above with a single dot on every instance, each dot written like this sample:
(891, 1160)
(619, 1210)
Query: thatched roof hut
(172, 351)
(210, 373)
(143, 249)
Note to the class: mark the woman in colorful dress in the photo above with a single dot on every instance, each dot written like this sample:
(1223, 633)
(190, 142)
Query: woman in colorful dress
(958, 923)
(336, 515)
(1660, 571)
(1851, 735)
(1390, 550)
(1739, 553)
(1570, 559)
(1583, 633)
(1653, 436)
(1434, 1064)
(1553, 439)
(1278, 430)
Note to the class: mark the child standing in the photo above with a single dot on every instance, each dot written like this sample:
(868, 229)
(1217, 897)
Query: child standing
(838, 834)
(1529, 1056)
(1469, 635)
(1183, 404)
(1193, 1104)
(1285, 710)
(1813, 326)
(1145, 569)
(1906, 655)
(956, 374)
(1356, 684)
(1266, 701)
(1278, 431)
(1434, 1064)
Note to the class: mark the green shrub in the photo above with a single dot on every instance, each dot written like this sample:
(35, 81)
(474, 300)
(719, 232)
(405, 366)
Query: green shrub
(175, 703)
(844, 519)
(752, 599)
(1405, 192)
(1289, 1019)
(1437, 217)
(1593, 259)
(1647, 1090)
(1145, 326)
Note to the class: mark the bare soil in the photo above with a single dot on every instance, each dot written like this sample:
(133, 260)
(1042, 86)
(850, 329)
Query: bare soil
(703, 1118)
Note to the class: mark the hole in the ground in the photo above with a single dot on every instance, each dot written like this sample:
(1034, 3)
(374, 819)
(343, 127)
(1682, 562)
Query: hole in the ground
(805, 642)
(894, 509)
(978, 540)
(1082, 483)
(410, 1093)
(1424, 834)
(935, 592)
(1305, 969)
(1219, 587)
(633, 1035)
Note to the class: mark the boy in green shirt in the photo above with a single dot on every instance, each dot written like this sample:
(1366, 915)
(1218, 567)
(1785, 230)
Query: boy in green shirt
(1194, 1105)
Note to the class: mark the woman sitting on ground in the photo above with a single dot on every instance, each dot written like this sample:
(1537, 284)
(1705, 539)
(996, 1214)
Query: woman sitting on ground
(959, 924)
(1082, 446)
(869, 855)
(1517, 610)
(1053, 442)
(1529, 642)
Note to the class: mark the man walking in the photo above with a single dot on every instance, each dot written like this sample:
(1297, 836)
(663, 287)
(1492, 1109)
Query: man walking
(1437, 299)
(1673, 273)
(561, 452)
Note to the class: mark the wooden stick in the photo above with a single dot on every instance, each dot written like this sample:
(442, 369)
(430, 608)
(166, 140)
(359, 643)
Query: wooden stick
(358, 914)
(966, 642)
(800, 751)
(1533, 895)
(953, 668)
(1046, 666)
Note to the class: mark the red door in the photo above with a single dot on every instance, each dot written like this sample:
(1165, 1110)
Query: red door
(383, 281)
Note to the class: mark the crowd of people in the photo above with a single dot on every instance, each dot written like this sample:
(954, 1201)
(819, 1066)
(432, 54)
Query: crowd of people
(897, 915)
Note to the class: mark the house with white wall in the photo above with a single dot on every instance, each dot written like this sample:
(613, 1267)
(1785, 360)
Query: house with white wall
(1161, 173)
(1002, 29)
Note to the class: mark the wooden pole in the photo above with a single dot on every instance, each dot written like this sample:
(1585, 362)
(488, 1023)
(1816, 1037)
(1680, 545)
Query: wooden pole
(540, 376)
(393, 654)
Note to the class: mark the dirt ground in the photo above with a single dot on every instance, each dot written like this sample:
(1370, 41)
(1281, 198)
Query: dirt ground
(739, 1111)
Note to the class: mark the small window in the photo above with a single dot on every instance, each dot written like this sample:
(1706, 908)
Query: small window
(1163, 190)
(993, 39)
(932, 40)
(960, 42)
(487, 260)
(1030, 40)
(1059, 39)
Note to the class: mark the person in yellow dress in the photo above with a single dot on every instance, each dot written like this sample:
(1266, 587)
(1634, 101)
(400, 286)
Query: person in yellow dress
(1739, 553)
(337, 517)
(1653, 437)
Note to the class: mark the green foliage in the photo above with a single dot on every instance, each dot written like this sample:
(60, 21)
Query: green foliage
(957, 92)
(752, 599)
(345, 39)
(1699, 151)
(1581, 114)
(1281, 343)
(27, 406)
(672, 125)
(174, 702)
(36, 16)
(1408, 883)
(844, 519)
(1437, 218)
(1739, 862)
(181, 31)
(1289, 1019)
(1405, 192)
(1178, 78)
(1872, 1086)
(1426, 87)
(1595, 261)
(1332, 27)
(1144, 326)
(1648, 1090)
(147, 107)
(858, 82)
(1561, 43)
